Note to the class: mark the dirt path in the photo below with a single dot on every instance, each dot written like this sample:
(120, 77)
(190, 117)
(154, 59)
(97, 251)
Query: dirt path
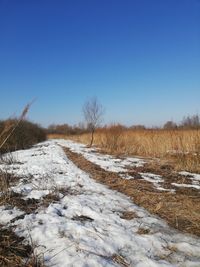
(180, 210)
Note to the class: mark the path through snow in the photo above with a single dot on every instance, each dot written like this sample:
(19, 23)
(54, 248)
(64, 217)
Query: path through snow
(85, 228)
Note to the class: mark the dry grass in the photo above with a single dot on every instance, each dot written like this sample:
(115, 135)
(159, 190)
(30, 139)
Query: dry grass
(180, 210)
(12, 250)
(180, 146)
(128, 215)
(143, 231)
(15, 253)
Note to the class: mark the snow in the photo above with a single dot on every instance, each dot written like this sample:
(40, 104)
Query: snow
(122, 166)
(8, 213)
(84, 227)
(36, 194)
(187, 185)
(106, 162)
(156, 180)
(109, 163)
(193, 176)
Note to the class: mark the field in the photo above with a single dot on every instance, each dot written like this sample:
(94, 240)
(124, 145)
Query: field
(63, 203)
(100, 133)
(181, 148)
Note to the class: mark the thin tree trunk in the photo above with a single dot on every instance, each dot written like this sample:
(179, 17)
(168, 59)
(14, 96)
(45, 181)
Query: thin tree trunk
(92, 138)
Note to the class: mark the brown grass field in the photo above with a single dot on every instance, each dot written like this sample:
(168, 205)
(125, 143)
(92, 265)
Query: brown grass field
(166, 151)
(180, 147)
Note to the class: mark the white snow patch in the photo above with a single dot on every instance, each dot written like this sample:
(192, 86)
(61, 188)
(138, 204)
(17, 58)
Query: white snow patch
(187, 185)
(153, 178)
(7, 213)
(37, 194)
(194, 177)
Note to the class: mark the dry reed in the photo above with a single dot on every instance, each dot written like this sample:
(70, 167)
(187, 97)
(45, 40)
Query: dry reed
(183, 146)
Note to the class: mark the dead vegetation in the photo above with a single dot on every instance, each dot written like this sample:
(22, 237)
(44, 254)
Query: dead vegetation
(27, 205)
(128, 215)
(14, 252)
(50, 198)
(119, 260)
(180, 210)
(179, 146)
(82, 218)
(19, 133)
(13, 199)
(143, 231)
(169, 174)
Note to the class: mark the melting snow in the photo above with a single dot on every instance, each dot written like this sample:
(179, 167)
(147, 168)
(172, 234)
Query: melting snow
(106, 162)
(112, 164)
(193, 176)
(187, 185)
(85, 228)
(8, 213)
(155, 179)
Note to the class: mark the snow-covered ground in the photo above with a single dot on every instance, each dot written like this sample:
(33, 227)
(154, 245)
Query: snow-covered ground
(195, 180)
(85, 227)
(122, 166)
(107, 162)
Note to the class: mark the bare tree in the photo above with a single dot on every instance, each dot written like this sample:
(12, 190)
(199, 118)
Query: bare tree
(170, 125)
(191, 122)
(93, 112)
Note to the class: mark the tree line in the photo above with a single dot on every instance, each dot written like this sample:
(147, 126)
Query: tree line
(188, 122)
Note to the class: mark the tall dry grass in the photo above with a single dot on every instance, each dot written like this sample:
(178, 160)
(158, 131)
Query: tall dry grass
(183, 146)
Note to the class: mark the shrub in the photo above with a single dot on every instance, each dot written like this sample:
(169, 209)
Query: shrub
(24, 136)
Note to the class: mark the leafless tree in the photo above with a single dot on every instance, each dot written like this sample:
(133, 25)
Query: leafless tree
(170, 125)
(191, 122)
(93, 112)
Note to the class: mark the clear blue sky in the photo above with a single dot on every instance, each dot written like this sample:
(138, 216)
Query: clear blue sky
(140, 58)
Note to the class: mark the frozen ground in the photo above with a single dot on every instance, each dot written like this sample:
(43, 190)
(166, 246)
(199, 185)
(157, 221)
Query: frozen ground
(85, 226)
(122, 166)
(107, 162)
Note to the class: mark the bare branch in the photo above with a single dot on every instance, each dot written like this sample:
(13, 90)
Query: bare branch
(93, 112)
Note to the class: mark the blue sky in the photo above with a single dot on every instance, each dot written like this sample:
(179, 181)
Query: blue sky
(140, 58)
